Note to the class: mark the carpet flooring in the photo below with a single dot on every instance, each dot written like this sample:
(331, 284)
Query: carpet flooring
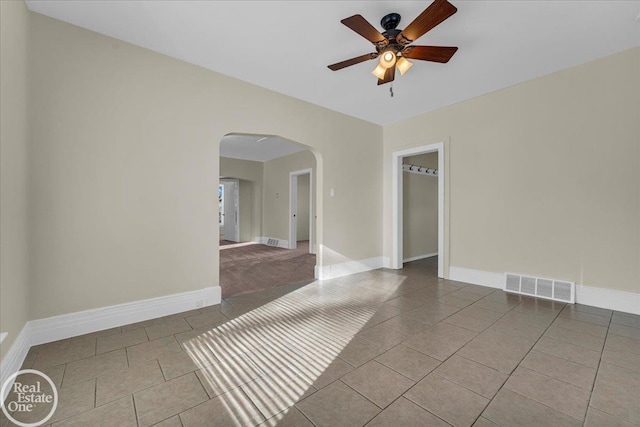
(253, 267)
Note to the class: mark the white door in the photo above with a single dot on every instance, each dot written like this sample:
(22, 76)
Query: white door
(230, 227)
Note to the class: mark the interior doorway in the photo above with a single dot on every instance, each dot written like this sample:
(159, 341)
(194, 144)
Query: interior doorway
(397, 258)
(301, 214)
(228, 194)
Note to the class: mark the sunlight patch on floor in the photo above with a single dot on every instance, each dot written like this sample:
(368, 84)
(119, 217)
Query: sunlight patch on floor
(262, 362)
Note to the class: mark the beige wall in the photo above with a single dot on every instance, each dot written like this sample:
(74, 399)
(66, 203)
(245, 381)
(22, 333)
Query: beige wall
(126, 162)
(544, 176)
(14, 141)
(276, 191)
(302, 214)
(420, 208)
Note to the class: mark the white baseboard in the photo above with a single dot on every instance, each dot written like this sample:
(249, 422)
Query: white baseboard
(476, 277)
(281, 243)
(14, 358)
(83, 322)
(610, 299)
(628, 302)
(347, 268)
(416, 258)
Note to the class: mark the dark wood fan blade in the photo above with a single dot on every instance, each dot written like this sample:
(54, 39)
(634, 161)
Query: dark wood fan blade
(430, 53)
(352, 61)
(437, 12)
(361, 26)
(389, 75)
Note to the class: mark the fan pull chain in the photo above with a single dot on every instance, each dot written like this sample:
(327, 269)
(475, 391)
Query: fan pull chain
(391, 89)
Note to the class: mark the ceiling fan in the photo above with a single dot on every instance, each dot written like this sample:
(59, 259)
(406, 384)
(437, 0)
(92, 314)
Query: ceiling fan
(394, 47)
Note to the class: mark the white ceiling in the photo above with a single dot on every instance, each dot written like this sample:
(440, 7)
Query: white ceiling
(501, 43)
(259, 148)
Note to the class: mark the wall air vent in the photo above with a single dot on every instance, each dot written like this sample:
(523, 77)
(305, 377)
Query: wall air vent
(272, 242)
(557, 290)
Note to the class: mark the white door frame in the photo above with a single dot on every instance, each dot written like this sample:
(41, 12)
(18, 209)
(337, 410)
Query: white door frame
(236, 204)
(397, 258)
(293, 198)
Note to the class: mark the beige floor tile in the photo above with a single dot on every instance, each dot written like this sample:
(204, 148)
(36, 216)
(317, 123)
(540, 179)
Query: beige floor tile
(497, 350)
(624, 359)
(95, 366)
(617, 392)
(450, 299)
(405, 413)
(334, 371)
(278, 391)
(409, 362)
(483, 422)
(591, 310)
(513, 409)
(493, 306)
(359, 351)
(230, 409)
(167, 399)
(181, 315)
(580, 339)
(386, 337)
(527, 318)
(127, 381)
(440, 341)
(579, 326)
(568, 351)
(619, 343)
(564, 370)
(209, 318)
(170, 422)
(338, 405)
(292, 417)
(405, 325)
(125, 339)
(62, 353)
(626, 319)
(382, 313)
(177, 364)
(596, 418)
(143, 324)
(227, 375)
(466, 295)
(152, 350)
(405, 303)
(468, 322)
(378, 383)
(585, 317)
(168, 328)
(476, 377)
(624, 331)
(73, 400)
(480, 290)
(478, 312)
(119, 413)
(55, 373)
(449, 401)
(556, 394)
(509, 327)
(432, 313)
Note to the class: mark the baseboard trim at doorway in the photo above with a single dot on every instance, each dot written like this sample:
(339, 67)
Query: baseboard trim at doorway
(416, 258)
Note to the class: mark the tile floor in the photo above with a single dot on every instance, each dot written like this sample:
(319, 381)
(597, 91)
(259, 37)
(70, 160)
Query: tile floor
(380, 348)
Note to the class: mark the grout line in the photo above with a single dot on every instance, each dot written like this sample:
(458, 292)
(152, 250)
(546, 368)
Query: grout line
(595, 379)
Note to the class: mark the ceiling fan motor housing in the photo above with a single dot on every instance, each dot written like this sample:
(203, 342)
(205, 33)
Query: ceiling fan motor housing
(390, 21)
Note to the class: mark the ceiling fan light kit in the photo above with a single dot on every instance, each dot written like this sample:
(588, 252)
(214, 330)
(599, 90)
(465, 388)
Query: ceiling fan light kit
(394, 47)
